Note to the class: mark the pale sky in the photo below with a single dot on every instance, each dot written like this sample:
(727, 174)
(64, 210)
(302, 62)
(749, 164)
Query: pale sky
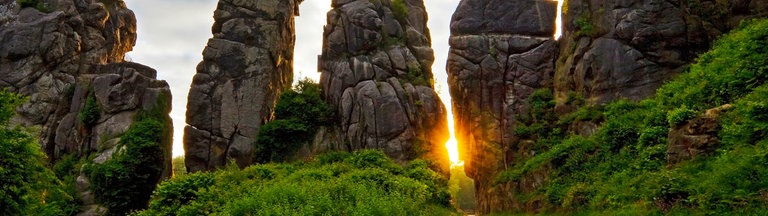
(173, 33)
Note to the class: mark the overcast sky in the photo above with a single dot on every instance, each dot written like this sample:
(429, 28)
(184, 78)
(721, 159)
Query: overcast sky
(173, 33)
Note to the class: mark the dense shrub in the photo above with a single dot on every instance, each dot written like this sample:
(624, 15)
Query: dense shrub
(91, 113)
(298, 114)
(360, 183)
(680, 115)
(27, 186)
(125, 182)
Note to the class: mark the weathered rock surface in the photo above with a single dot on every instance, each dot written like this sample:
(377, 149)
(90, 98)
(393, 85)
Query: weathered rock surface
(376, 72)
(65, 52)
(245, 67)
(501, 52)
(696, 137)
(627, 49)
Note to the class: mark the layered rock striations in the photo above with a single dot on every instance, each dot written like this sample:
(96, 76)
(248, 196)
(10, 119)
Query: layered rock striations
(67, 57)
(627, 49)
(376, 73)
(501, 52)
(245, 67)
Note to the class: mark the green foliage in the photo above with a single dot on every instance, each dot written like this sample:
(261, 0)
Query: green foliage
(91, 112)
(179, 167)
(622, 168)
(400, 10)
(462, 189)
(737, 63)
(125, 182)
(680, 115)
(360, 183)
(37, 4)
(585, 26)
(416, 75)
(298, 114)
(27, 186)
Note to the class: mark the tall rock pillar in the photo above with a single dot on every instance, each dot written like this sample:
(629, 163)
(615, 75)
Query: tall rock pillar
(501, 52)
(245, 67)
(376, 72)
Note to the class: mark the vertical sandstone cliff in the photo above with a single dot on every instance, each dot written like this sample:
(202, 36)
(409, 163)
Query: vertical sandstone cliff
(245, 67)
(501, 51)
(376, 73)
(627, 49)
(63, 54)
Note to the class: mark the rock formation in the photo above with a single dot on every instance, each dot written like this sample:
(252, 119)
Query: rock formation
(245, 67)
(627, 49)
(501, 51)
(376, 72)
(697, 136)
(63, 54)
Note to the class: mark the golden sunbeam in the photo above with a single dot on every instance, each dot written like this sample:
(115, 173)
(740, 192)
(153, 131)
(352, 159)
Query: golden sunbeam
(559, 20)
(452, 144)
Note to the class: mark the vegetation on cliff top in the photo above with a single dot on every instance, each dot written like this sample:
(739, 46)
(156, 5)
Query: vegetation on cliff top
(622, 168)
(360, 183)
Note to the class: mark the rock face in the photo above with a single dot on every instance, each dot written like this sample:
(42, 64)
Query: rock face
(376, 73)
(501, 52)
(245, 67)
(65, 53)
(627, 49)
(698, 136)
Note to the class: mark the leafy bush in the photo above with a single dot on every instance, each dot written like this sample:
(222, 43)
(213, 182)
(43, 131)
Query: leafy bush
(298, 114)
(27, 186)
(125, 182)
(680, 115)
(360, 183)
(91, 113)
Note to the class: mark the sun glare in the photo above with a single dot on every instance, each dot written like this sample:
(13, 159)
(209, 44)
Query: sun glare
(453, 145)
(453, 151)
(559, 20)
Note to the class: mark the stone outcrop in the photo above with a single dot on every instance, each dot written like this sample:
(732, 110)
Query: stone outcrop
(501, 52)
(695, 137)
(627, 49)
(63, 53)
(245, 67)
(376, 73)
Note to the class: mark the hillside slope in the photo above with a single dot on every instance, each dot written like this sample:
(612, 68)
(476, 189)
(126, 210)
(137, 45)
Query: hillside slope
(699, 146)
